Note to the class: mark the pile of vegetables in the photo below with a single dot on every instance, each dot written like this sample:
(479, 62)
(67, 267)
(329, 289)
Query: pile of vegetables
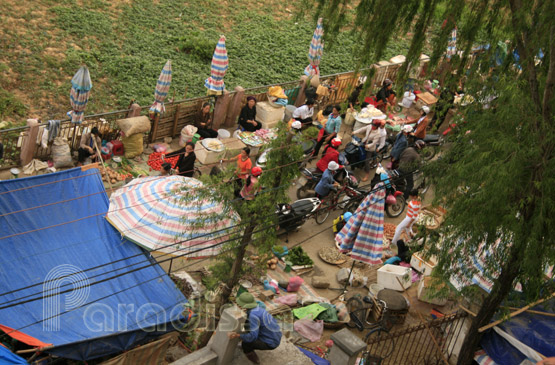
(112, 176)
(155, 160)
(272, 263)
(297, 256)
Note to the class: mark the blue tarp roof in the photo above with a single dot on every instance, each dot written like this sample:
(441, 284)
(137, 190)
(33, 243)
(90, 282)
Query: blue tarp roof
(8, 357)
(534, 330)
(99, 319)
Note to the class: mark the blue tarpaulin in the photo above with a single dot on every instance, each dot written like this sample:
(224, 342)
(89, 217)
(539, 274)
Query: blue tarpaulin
(53, 229)
(532, 331)
(8, 357)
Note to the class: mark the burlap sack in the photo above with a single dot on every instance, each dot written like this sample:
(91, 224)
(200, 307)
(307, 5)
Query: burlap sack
(135, 125)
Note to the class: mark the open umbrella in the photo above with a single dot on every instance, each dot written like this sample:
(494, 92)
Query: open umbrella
(162, 88)
(220, 62)
(81, 86)
(363, 232)
(147, 211)
(315, 51)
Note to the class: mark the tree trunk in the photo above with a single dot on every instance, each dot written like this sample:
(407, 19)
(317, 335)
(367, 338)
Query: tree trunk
(501, 289)
(238, 263)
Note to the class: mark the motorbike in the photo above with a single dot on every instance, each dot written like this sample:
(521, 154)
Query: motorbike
(355, 152)
(292, 216)
(308, 181)
(433, 142)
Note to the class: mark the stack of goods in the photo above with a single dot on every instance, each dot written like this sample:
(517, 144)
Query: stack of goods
(133, 130)
(266, 134)
(250, 139)
(112, 176)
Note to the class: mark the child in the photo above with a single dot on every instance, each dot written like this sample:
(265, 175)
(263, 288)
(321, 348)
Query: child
(339, 222)
(412, 213)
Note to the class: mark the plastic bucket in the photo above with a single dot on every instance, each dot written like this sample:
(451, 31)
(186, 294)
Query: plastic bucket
(223, 133)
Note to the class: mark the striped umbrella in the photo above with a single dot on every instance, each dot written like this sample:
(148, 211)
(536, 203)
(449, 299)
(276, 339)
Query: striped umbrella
(162, 88)
(220, 62)
(315, 51)
(452, 44)
(81, 86)
(147, 211)
(363, 233)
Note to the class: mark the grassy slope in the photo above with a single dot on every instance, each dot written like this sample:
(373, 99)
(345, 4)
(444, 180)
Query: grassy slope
(126, 43)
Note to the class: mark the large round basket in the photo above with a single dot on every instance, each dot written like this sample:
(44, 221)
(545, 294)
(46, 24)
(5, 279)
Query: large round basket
(326, 252)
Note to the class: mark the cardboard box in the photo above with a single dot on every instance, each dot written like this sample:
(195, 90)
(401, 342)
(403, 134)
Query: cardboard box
(426, 99)
(424, 266)
(268, 114)
(388, 275)
(424, 291)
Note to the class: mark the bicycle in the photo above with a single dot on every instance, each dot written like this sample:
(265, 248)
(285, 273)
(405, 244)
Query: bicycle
(331, 201)
(379, 331)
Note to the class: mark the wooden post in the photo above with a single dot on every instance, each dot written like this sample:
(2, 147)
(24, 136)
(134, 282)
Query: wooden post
(301, 95)
(220, 109)
(234, 107)
(175, 119)
(154, 127)
(99, 154)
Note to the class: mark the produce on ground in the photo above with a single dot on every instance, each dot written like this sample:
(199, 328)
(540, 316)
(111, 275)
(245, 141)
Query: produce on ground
(389, 230)
(331, 254)
(155, 160)
(272, 263)
(297, 256)
(112, 176)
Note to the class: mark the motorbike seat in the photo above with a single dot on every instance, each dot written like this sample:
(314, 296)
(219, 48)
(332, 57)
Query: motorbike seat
(431, 138)
(315, 171)
(302, 207)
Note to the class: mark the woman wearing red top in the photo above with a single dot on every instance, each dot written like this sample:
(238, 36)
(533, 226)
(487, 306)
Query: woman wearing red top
(331, 155)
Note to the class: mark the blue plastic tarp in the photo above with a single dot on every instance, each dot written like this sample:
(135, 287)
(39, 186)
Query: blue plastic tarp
(534, 330)
(8, 357)
(52, 226)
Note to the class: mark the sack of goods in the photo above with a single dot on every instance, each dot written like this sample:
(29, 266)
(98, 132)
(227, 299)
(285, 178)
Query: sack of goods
(133, 145)
(61, 153)
(135, 125)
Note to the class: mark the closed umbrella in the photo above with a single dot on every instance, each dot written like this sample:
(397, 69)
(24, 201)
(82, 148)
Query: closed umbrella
(452, 44)
(81, 86)
(162, 88)
(315, 51)
(220, 62)
(363, 232)
(147, 211)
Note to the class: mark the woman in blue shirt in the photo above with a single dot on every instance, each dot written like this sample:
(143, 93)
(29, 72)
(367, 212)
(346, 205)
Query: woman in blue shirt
(333, 125)
(327, 182)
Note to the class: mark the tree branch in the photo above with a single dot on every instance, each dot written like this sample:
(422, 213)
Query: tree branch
(526, 57)
(550, 80)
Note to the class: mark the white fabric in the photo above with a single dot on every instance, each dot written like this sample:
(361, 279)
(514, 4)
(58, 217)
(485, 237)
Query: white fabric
(408, 99)
(303, 112)
(407, 128)
(405, 225)
(525, 349)
(383, 137)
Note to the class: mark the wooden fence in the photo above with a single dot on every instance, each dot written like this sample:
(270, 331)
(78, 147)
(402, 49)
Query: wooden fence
(179, 114)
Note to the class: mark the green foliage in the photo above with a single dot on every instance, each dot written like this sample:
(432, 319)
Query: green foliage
(198, 45)
(10, 105)
(297, 256)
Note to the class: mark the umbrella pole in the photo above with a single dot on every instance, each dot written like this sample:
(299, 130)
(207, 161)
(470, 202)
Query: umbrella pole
(102, 162)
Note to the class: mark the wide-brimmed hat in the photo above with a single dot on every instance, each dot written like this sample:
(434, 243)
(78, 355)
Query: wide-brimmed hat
(246, 300)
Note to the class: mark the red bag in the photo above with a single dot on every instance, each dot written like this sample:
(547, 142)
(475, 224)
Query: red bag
(295, 283)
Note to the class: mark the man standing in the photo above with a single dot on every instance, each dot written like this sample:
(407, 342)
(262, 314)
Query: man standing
(263, 330)
(413, 209)
(408, 163)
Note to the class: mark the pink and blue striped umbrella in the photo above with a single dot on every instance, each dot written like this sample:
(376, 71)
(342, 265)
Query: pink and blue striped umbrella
(148, 212)
(81, 86)
(363, 233)
(315, 51)
(220, 62)
(162, 88)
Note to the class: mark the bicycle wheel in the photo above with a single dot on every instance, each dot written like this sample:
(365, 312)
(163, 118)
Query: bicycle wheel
(381, 344)
(356, 317)
(323, 212)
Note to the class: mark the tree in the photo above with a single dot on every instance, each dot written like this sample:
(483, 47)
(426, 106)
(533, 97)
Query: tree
(497, 180)
(257, 226)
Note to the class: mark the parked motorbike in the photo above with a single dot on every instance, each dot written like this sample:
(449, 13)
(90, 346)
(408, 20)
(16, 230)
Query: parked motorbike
(394, 201)
(308, 181)
(433, 143)
(355, 152)
(292, 216)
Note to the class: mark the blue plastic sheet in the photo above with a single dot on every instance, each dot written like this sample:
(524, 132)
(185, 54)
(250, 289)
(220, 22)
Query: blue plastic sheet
(52, 226)
(8, 357)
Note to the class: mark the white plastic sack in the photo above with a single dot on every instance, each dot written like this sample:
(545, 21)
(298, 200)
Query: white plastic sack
(61, 153)
(187, 134)
(311, 330)
(289, 300)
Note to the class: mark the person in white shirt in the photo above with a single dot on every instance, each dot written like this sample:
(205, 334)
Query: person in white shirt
(304, 113)
(383, 135)
(371, 140)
